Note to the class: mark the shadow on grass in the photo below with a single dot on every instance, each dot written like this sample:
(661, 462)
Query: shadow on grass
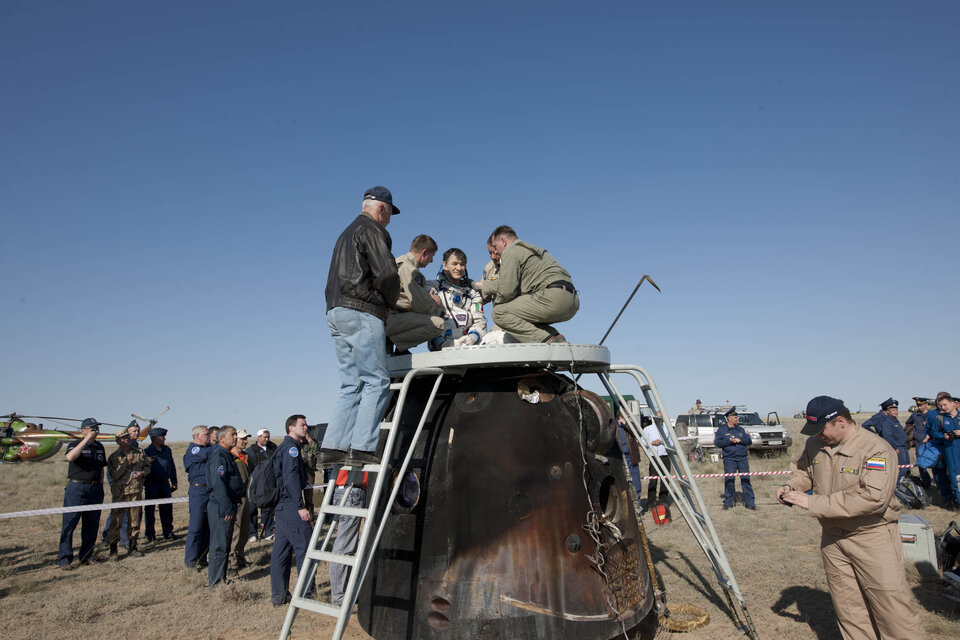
(930, 596)
(693, 577)
(814, 608)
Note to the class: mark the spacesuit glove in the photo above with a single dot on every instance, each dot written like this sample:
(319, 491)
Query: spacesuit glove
(465, 341)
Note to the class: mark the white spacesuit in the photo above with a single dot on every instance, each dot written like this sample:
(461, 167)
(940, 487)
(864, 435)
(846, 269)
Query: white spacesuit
(462, 312)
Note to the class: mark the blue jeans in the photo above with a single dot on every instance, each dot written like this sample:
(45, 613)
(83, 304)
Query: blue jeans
(75, 495)
(359, 340)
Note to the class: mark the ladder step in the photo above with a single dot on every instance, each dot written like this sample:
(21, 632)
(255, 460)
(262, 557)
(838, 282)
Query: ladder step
(396, 386)
(320, 607)
(358, 512)
(386, 426)
(334, 558)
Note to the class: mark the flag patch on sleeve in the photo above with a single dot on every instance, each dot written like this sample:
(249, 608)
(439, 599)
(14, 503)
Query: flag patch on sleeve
(877, 464)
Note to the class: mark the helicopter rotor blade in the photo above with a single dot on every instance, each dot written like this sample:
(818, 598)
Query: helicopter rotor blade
(153, 420)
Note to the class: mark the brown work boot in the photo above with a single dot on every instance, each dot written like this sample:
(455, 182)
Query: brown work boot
(114, 557)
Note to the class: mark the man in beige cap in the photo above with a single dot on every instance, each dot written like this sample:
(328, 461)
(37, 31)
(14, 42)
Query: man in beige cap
(853, 473)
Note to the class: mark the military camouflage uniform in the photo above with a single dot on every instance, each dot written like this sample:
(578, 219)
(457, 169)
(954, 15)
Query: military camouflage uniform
(128, 481)
(416, 318)
(309, 451)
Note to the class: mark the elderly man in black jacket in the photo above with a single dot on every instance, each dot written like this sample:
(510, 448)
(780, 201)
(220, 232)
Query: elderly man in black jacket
(361, 286)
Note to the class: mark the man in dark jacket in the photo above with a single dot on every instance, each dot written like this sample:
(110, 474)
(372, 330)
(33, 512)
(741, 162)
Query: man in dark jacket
(362, 286)
(886, 424)
(734, 441)
(293, 517)
(226, 491)
(161, 483)
(260, 451)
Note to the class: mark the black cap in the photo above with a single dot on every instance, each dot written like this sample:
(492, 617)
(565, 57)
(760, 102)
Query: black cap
(381, 194)
(820, 411)
(89, 422)
(158, 432)
(732, 411)
(889, 402)
(133, 423)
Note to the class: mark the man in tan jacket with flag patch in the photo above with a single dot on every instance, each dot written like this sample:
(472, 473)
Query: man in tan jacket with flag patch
(416, 318)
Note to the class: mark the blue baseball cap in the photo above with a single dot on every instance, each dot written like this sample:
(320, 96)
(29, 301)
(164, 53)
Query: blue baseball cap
(381, 194)
(820, 411)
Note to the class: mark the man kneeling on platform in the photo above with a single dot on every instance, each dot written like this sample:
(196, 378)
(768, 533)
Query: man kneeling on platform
(417, 316)
(531, 291)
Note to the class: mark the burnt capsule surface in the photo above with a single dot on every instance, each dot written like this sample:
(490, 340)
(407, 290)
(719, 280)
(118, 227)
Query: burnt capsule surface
(518, 501)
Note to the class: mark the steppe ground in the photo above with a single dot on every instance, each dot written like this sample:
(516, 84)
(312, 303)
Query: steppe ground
(774, 554)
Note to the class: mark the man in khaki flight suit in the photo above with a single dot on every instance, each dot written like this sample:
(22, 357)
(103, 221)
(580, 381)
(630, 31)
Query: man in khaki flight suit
(853, 472)
(531, 291)
(416, 318)
(491, 272)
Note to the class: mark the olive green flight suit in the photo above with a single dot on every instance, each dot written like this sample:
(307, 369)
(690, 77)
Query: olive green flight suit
(414, 319)
(523, 306)
(862, 554)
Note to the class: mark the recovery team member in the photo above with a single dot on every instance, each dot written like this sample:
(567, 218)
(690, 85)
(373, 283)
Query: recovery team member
(226, 490)
(853, 474)
(86, 459)
(416, 318)
(293, 517)
(128, 468)
(531, 292)
(733, 440)
(195, 464)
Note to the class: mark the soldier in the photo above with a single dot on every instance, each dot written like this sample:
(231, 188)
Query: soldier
(241, 527)
(697, 408)
(293, 518)
(852, 473)
(195, 464)
(417, 316)
(310, 450)
(886, 425)
(134, 430)
(128, 468)
(161, 483)
(86, 459)
(226, 490)
(531, 291)
(733, 440)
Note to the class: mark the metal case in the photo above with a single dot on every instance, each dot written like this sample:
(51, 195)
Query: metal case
(919, 546)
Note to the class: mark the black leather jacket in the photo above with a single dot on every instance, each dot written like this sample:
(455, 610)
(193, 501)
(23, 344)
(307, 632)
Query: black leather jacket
(363, 273)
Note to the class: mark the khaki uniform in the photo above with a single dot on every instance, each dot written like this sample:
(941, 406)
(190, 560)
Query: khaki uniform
(414, 320)
(853, 485)
(490, 272)
(310, 451)
(523, 304)
(241, 528)
(128, 480)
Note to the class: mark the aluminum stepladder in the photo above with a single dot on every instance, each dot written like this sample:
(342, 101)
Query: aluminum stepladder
(374, 517)
(683, 489)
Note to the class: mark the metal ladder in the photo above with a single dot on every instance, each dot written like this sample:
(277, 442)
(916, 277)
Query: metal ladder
(683, 488)
(367, 544)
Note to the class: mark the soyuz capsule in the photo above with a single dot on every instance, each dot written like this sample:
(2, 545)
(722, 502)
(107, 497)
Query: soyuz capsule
(521, 525)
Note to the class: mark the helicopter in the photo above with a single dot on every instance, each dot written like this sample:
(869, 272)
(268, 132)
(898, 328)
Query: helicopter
(21, 440)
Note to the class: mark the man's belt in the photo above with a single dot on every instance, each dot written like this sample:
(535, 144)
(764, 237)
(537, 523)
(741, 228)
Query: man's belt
(86, 482)
(197, 484)
(561, 284)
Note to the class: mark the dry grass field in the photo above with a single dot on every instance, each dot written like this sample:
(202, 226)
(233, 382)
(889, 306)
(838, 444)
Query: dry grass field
(774, 554)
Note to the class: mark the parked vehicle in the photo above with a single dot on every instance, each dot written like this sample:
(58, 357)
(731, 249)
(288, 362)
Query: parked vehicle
(766, 434)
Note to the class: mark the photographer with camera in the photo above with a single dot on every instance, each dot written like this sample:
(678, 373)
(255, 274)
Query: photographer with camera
(86, 459)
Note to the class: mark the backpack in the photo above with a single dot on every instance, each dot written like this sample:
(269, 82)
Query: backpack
(262, 490)
(910, 494)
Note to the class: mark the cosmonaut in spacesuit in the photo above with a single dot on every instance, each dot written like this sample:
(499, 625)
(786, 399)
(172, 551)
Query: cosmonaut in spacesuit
(462, 305)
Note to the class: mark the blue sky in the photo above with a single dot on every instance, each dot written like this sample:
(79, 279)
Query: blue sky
(173, 177)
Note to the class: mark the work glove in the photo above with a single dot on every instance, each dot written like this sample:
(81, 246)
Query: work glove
(477, 285)
(466, 341)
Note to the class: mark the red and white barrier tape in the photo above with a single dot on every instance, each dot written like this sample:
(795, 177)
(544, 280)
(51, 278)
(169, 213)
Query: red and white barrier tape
(748, 473)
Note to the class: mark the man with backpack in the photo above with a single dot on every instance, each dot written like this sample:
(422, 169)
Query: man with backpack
(292, 515)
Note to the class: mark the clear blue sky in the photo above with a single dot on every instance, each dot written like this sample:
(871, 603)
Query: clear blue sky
(173, 177)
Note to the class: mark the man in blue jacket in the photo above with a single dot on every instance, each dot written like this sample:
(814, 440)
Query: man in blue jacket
(943, 427)
(226, 491)
(161, 483)
(886, 424)
(916, 430)
(292, 515)
(733, 440)
(195, 464)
